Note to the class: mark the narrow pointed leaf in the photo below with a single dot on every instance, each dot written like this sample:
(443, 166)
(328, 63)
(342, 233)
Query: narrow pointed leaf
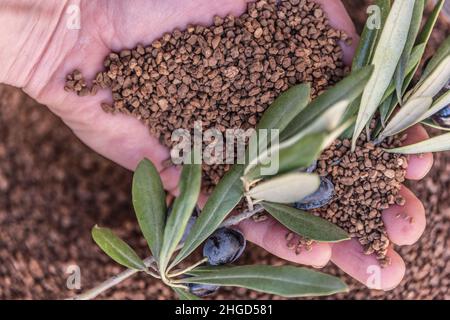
(226, 195)
(285, 281)
(327, 122)
(185, 295)
(387, 55)
(440, 103)
(306, 224)
(409, 115)
(299, 155)
(431, 124)
(411, 68)
(419, 55)
(436, 144)
(363, 57)
(441, 53)
(286, 107)
(365, 48)
(423, 39)
(401, 73)
(287, 188)
(389, 100)
(435, 81)
(149, 202)
(184, 205)
(347, 89)
(116, 248)
(369, 38)
(384, 110)
(282, 111)
(428, 28)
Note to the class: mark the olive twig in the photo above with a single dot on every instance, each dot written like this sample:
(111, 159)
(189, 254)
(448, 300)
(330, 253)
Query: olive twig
(183, 271)
(234, 220)
(150, 273)
(111, 282)
(150, 261)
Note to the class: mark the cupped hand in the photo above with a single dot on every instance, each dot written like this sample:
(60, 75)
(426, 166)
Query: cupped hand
(114, 25)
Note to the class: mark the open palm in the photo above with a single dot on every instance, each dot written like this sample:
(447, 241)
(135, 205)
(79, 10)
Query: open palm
(114, 25)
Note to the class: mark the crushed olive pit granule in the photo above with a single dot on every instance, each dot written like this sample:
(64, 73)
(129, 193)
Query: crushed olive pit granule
(366, 182)
(226, 74)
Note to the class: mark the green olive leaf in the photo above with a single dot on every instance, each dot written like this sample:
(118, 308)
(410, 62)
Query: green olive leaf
(400, 73)
(369, 37)
(427, 29)
(306, 224)
(384, 110)
(423, 39)
(410, 114)
(116, 248)
(185, 295)
(327, 122)
(287, 188)
(285, 281)
(365, 48)
(390, 101)
(413, 63)
(225, 197)
(299, 155)
(347, 89)
(431, 124)
(280, 114)
(435, 81)
(425, 35)
(385, 9)
(441, 53)
(436, 144)
(440, 103)
(183, 206)
(363, 57)
(286, 107)
(385, 60)
(149, 202)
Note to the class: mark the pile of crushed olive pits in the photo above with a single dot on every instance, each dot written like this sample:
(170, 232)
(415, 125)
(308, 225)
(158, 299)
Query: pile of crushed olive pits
(366, 182)
(225, 75)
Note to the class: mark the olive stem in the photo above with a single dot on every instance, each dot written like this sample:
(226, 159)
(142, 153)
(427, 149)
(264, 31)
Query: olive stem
(234, 220)
(111, 282)
(181, 286)
(183, 271)
(150, 273)
(149, 262)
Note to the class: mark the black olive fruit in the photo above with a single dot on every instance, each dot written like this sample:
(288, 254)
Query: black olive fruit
(442, 118)
(224, 246)
(202, 290)
(318, 199)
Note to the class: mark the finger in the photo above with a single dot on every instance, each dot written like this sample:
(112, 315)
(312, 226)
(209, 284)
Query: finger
(271, 236)
(349, 256)
(418, 165)
(143, 16)
(340, 20)
(405, 224)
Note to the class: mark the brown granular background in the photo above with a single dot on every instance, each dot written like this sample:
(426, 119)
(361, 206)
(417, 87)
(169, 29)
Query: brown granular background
(53, 190)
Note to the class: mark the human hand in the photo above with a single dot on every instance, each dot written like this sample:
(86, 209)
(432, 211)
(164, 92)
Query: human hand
(39, 67)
